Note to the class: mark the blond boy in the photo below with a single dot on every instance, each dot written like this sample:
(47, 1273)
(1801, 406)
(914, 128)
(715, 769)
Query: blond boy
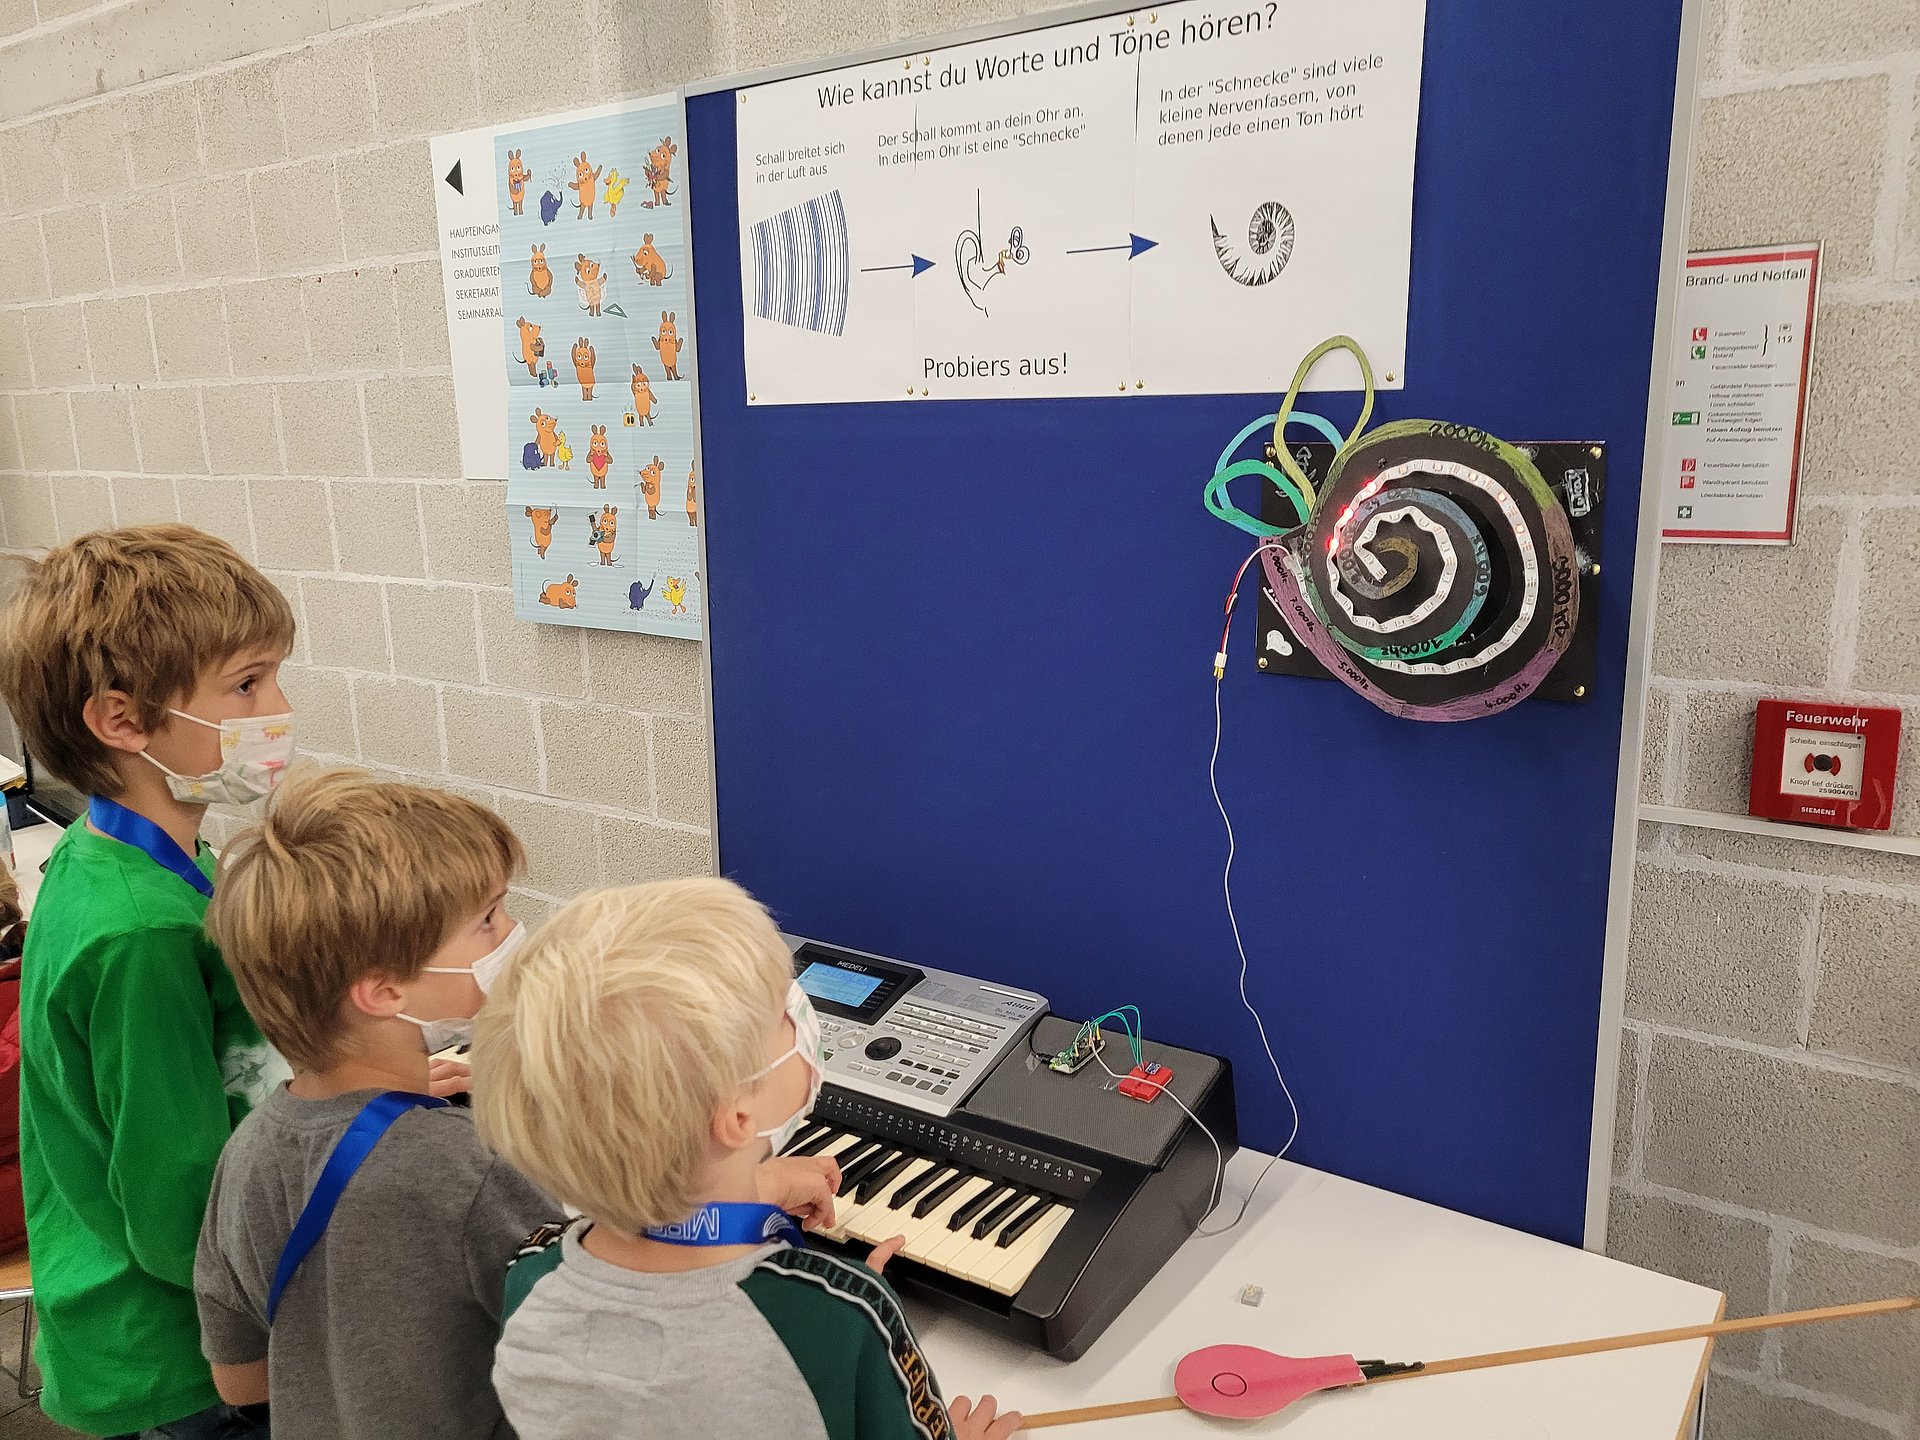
(639, 1059)
(142, 667)
(355, 917)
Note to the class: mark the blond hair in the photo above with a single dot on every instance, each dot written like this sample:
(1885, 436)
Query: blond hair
(348, 876)
(601, 1056)
(146, 610)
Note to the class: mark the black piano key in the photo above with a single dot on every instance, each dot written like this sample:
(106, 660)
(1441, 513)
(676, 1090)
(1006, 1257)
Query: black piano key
(865, 1166)
(919, 1182)
(1024, 1221)
(818, 1143)
(974, 1206)
(854, 1154)
(990, 1221)
(939, 1195)
(811, 1132)
(878, 1180)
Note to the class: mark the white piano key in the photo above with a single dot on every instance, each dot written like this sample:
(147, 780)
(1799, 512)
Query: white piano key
(980, 1258)
(942, 1255)
(924, 1235)
(875, 1221)
(1027, 1252)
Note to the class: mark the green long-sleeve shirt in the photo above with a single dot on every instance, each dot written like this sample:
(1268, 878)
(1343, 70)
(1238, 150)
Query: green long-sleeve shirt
(137, 1061)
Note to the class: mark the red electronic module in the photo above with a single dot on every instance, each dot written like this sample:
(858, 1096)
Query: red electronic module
(1824, 764)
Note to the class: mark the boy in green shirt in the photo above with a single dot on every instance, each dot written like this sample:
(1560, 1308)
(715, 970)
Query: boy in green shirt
(142, 667)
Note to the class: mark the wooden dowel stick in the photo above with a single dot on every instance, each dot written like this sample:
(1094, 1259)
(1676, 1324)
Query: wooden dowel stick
(1523, 1357)
(1655, 1337)
(1118, 1411)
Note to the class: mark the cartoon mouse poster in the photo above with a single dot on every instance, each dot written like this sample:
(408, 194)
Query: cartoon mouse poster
(597, 342)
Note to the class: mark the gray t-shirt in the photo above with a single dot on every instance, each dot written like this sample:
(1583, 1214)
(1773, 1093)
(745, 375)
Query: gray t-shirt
(388, 1328)
(794, 1344)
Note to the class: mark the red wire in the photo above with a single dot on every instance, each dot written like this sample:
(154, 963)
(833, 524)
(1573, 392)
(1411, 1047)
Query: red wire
(1233, 594)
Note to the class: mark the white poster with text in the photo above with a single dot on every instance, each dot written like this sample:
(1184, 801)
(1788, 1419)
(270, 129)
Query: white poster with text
(1743, 339)
(1176, 201)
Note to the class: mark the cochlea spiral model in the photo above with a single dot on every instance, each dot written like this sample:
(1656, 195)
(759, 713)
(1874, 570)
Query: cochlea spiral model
(1432, 570)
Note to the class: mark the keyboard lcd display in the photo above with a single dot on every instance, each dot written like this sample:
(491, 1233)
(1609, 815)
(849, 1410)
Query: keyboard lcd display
(843, 987)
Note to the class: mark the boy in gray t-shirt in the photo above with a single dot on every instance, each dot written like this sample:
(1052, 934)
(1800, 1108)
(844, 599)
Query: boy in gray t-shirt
(389, 1326)
(360, 920)
(640, 1059)
(352, 918)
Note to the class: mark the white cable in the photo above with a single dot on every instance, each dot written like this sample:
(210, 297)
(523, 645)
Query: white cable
(1226, 887)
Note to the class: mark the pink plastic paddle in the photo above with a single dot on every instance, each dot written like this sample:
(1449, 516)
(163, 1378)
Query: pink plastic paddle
(1240, 1382)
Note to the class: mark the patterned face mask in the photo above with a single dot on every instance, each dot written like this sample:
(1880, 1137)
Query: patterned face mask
(254, 753)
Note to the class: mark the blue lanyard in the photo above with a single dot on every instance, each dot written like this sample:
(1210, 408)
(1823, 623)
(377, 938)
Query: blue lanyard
(113, 819)
(373, 1121)
(736, 1222)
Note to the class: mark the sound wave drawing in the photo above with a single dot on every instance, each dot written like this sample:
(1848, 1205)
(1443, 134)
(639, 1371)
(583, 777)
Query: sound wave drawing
(801, 265)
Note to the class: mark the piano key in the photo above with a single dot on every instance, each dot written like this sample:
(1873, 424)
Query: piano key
(931, 1175)
(973, 1207)
(947, 1253)
(876, 1220)
(980, 1256)
(854, 1155)
(937, 1196)
(854, 1173)
(883, 1178)
(1027, 1252)
(841, 1145)
(1021, 1223)
(811, 1139)
(989, 1224)
(923, 1235)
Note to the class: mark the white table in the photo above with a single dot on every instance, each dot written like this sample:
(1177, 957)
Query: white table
(1349, 1269)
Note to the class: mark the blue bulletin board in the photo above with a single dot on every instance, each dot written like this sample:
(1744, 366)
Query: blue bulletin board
(962, 698)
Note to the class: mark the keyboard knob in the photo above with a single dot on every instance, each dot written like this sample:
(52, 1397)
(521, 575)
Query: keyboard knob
(884, 1048)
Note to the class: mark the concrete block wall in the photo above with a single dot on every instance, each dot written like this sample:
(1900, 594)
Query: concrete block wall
(220, 303)
(1768, 1141)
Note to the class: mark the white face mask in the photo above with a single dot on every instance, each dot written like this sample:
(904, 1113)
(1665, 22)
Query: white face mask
(438, 1035)
(254, 753)
(488, 969)
(806, 1044)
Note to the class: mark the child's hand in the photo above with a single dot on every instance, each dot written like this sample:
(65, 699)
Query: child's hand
(801, 1185)
(448, 1077)
(978, 1422)
(877, 1258)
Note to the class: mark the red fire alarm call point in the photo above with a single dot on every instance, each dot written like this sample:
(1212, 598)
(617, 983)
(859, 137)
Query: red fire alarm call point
(1824, 764)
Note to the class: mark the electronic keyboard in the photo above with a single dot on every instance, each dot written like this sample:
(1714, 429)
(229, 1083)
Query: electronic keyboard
(1035, 1202)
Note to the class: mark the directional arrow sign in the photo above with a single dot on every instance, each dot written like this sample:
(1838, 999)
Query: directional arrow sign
(1136, 245)
(453, 178)
(917, 266)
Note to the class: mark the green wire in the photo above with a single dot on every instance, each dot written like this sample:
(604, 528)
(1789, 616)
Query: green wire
(1325, 347)
(1132, 1028)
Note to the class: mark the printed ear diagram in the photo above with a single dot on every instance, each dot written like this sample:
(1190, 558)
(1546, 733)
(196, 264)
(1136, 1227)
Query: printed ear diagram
(975, 269)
